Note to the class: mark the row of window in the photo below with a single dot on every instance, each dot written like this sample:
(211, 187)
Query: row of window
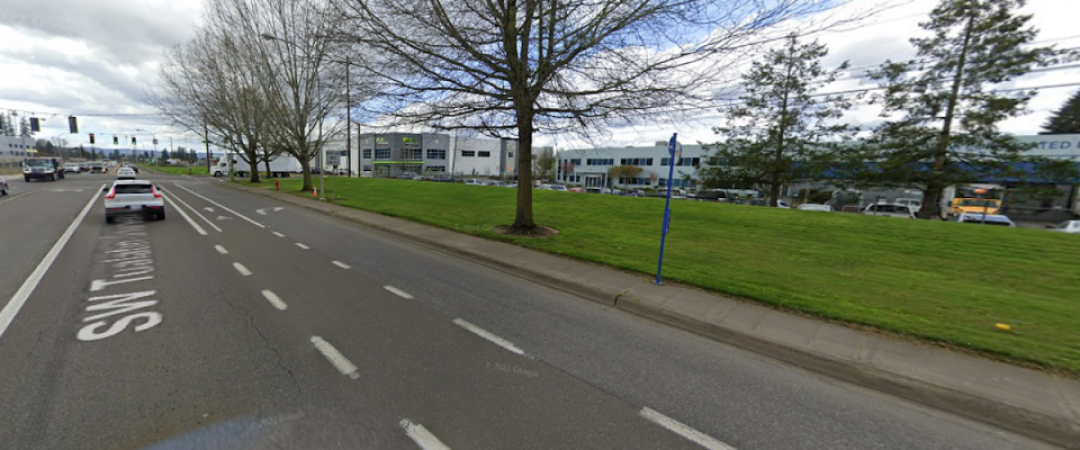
(600, 162)
(635, 181)
(409, 154)
(636, 161)
(682, 162)
(474, 153)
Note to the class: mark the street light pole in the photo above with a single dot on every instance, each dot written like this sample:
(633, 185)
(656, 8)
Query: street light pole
(348, 118)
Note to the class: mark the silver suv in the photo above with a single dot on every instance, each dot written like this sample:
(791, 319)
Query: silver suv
(133, 197)
(887, 210)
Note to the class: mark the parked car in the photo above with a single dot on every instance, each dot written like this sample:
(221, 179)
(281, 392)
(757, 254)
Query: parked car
(495, 183)
(474, 182)
(125, 173)
(133, 197)
(72, 168)
(986, 219)
(3, 186)
(554, 187)
(887, 210)
(814, 207)
(1068, 226)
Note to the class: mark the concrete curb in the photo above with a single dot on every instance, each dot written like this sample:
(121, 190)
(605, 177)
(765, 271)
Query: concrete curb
(1061, 431)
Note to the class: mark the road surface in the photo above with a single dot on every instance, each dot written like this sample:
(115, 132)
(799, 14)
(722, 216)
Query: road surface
(246, 323)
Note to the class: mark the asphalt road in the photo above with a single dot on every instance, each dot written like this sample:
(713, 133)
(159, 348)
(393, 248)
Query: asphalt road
(262, 325)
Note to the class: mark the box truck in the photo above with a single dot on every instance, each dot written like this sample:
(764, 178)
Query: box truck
(281, 166)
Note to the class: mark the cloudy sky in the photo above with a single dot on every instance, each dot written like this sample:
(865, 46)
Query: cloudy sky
(95, 59)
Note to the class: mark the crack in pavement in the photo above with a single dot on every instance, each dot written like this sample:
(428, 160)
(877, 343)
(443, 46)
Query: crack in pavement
(266, 341)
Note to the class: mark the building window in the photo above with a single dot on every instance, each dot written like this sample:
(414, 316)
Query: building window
(382, 154)
(636, 161)
(689, 162)
(412, 154)
(367, 153)
(436, 168)
(485, 154)
(436, 154)
(576, 162)
(468, 153)
(510, 154)
(600, 162)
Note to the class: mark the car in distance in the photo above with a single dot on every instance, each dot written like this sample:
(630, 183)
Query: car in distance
(125, 173)
(133, 197)
(72, 168)
(1068, 226)
(3, 186)
(42, 169)
(987, 219)
(814, 207)
(888, 210)
(96, 167)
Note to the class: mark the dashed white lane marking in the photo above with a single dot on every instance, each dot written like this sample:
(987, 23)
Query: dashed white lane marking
(208, 222)
(240, 268)
(274, 299)
(208, 209)
(219, 205)
(342, 265)
(397, 291)
(278, 234)
(16, 302)
(221, 250)
(491, 337)
(302, 246)
(421, 436)
(681, 429)
(183, 214)
(340, 362)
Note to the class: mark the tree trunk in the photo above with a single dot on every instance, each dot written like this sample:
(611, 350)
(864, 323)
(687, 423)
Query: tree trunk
(523, 215)
(935, 185)
(305, 166)
(269, 174)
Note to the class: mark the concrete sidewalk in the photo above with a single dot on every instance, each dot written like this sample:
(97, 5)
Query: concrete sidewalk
(1017, 399)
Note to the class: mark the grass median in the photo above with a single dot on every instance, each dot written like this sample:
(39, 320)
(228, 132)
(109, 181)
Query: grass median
(937, 281)
(179, 169)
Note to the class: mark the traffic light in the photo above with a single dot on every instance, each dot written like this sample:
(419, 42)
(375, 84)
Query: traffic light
(34, 125)
(133, 140)
(115, 140)
(155, 141)
(73, 125)
(91, 138)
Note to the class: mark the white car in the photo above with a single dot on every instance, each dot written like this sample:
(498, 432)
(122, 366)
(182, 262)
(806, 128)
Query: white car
(814, 207)
(133, 198)
(887, 210)
(1068, 226)
(985, 219)
(72, 168)
(125, 173)
(474, 182)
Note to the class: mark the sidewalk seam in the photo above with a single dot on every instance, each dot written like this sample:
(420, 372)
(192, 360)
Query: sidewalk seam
(1062, 431)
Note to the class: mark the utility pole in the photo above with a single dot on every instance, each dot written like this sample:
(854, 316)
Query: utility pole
(206, 140)
(348, 118)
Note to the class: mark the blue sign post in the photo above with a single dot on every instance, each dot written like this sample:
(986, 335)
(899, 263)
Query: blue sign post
(672, 144)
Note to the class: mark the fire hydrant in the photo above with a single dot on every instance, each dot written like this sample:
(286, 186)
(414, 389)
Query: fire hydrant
(277, 185)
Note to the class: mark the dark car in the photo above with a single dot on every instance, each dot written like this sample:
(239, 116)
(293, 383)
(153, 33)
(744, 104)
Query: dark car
(98, 168)
(3, 185)
(42, 169)
(708, 196)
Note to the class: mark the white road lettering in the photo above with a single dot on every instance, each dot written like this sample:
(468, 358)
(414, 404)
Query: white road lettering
(109, 315)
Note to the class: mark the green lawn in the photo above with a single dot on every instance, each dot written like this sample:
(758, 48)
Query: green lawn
(936, 281)
(179, 169)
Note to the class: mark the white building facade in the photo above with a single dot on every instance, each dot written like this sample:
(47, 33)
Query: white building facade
(13, 150)
(589, 167)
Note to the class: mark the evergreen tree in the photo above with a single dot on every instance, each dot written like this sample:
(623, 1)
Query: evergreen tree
(941, 104)
(1066, 120)
(165, 154)
(780, 132)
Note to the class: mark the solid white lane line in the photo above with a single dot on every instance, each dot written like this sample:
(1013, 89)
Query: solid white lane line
(185, 216)
(274, 300)
(681, 429)
(397, 291)
(421, 436)
(240, 268)
(342, 265)
(302, 246)
(208, 222)
(16, 302)
(219, 205)
(278, 234)
(221, 250)
(491, 337)
(340, 362)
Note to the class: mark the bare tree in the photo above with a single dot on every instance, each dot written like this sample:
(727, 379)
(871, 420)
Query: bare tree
(512, 68)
